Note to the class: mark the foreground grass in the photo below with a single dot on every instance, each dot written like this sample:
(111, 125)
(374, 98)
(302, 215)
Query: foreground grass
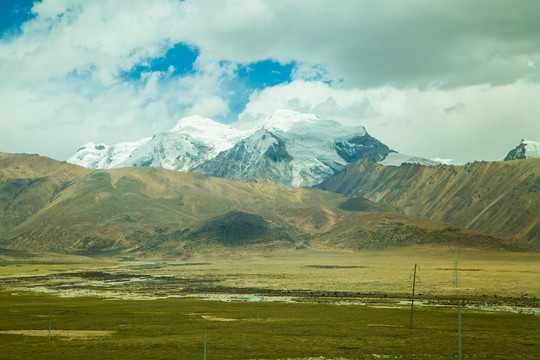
(174, 329)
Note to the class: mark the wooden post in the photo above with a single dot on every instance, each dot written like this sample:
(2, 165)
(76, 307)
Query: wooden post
(412, 299)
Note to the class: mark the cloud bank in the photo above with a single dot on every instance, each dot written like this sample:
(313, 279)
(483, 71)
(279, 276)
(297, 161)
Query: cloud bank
(449, 79)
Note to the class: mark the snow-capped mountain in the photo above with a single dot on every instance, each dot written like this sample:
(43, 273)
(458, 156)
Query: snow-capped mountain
(103, 156)
(527, 149)
(192, 141)
(294, 149)
(288, 148)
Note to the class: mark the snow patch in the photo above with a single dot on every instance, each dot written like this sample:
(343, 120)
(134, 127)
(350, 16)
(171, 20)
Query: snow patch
(532, 149)
(397, 159)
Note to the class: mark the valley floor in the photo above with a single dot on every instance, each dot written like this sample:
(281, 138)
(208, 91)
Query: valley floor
(278, 306)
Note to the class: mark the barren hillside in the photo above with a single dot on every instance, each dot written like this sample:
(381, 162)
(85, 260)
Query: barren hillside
(47, 205)
(498, 198)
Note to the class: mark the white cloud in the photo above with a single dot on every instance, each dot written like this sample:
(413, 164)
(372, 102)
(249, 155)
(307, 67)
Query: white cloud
(62, 81)
(376, 43)
(56, 117)
(312, 72)
(98, 38)
(209, 107)
(383, 61)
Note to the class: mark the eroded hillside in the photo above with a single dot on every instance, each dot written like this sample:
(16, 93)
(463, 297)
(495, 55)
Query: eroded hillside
(498, 198)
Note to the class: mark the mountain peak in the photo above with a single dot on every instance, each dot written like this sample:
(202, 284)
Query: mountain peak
(200, 127)
(194, 122)
(214, 134)
(289, 121)
(527, 149)
(284, 120)
(103, 156)
(288, 148)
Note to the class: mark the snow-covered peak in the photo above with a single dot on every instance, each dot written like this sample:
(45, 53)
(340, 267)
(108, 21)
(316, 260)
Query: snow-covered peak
(284, 120)
(88, 154)
(527, 149)
(287, 148)
(220, 136)
(192, 141)
(195, 123)
(294, 149)
(532, 149)
(293, 122)
(103, 156)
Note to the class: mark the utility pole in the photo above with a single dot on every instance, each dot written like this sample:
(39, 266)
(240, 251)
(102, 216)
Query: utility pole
(459, 330)
(205, 343)
(455, 256)
(412, 299)
(50, 326)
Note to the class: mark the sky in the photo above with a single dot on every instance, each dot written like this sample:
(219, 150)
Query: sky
(449, 79)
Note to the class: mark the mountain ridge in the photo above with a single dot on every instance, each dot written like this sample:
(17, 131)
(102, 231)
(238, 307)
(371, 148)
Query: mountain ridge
(498, 198)
(157, 212)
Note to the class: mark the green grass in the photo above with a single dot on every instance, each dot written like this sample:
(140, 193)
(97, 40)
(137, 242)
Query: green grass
(174, 329)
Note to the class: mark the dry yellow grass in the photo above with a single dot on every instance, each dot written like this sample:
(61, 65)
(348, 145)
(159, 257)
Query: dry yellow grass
(482, 274)
(385, 271)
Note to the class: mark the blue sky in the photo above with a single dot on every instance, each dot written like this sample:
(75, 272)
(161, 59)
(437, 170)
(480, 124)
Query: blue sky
(14, 13)
(455, 79)
(249, 77)
(181, 57)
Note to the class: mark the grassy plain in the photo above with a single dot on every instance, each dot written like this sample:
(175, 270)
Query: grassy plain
(290, 305)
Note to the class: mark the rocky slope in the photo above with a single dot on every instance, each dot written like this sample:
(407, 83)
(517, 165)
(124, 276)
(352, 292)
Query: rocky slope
(527, 149)
(498, 198)
(292, 149)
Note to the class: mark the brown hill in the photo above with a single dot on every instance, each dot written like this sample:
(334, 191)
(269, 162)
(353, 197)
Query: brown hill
(497, 198)
(238, 228)
(382, 230)
(47, 205)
